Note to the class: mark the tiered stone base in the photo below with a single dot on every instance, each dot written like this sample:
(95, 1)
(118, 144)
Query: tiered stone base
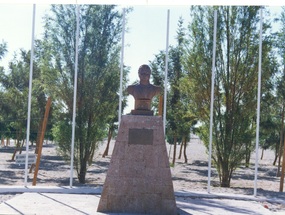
(139, 178)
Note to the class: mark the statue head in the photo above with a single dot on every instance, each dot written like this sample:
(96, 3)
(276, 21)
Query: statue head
(144, 74)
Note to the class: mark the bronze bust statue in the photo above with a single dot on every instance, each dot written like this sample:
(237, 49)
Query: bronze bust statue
(143, 92)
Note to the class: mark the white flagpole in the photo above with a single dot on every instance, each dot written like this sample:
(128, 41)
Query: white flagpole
(258, 105)
(212, 101)
(166, 71)
(74, 94)
(122, 68)
(30, 94)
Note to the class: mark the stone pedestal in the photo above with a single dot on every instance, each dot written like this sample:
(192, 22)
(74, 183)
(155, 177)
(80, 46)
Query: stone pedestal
(139, 178)
(142, 112)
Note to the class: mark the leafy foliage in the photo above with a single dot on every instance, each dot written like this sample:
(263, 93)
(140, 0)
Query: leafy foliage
(98, 75)
(235, 82)
(15, 84)
(180, 116)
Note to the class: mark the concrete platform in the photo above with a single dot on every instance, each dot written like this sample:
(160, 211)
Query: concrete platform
(79, 201)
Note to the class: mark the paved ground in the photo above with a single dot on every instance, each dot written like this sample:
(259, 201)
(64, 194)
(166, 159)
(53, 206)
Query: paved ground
(80, 201)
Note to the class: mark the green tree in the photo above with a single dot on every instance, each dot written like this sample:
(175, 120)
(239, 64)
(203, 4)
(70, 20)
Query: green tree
(15, 84)
(180, 117)
(235, 82)
(14, 93)
(281, 86)
(3, 50)
(98, 75)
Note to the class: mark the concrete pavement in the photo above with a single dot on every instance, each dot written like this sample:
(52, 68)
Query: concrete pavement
(80, 201)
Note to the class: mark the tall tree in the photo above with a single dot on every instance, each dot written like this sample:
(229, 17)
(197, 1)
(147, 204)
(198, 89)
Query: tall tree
(235, 83)
(3, 50)
(15, 83)
(98, 75)
(180, 117)
(280, 85)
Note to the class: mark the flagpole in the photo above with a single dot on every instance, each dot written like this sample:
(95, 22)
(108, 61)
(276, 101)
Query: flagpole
(122, 68)
(166, 71)
(212, 101)
(258, 105)
(30, 94)
(74, 95)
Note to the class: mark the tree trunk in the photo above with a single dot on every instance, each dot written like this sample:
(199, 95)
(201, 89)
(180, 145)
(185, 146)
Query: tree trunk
(39, 136)
(225, 178)
(275, 160)
(16, 149)
(174, 150)
(32, 167)
(180, 151)
(17, 144)
(279, 162)
(262, 153)
(82, 172)
(93, 147)
(247, 158)
(281, 144)
(276, 154)
(110, 133)
(185, 155)
(21, 147)
(247, 155)
(41, 140)
(282, 170)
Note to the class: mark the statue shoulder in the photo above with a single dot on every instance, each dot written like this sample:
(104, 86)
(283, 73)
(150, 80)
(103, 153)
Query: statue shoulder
(155, 89)
(131, 88)
(158, 89)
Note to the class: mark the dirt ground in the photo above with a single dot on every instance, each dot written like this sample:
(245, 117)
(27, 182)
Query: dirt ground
(191, 176)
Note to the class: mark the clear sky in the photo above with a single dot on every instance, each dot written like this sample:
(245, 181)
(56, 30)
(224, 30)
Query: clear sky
(146, 31)
(145, 37)
(147, 27)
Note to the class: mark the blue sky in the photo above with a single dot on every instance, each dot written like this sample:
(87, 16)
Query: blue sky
(146, 29)
(145, 37)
